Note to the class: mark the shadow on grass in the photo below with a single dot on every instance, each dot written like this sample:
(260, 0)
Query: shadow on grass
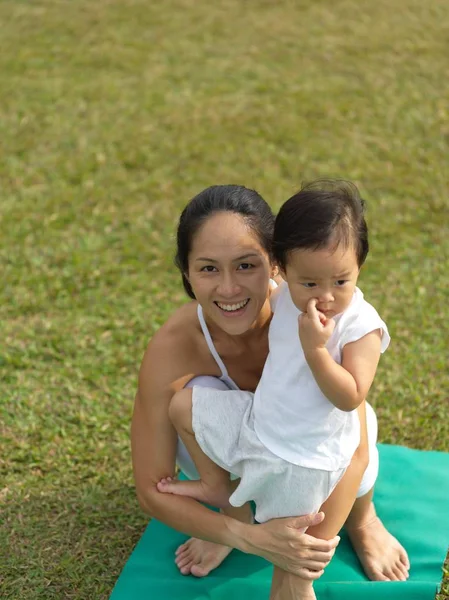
(71, 544)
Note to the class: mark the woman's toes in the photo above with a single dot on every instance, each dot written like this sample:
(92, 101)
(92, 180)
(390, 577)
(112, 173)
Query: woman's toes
(186, 569)
(199, 571)
(403, 571)
(180, 549)
(181, 561)
(378, 576)
(400, 573)
(392, 575)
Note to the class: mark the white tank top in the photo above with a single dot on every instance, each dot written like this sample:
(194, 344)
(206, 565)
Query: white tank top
(210, 344)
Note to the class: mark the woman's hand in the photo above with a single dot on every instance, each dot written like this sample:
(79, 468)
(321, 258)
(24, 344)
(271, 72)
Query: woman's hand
(284, 543)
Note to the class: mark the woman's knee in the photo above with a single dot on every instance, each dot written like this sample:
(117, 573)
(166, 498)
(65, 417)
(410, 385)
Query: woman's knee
(370, 474)
(180, 407)
(361, 456)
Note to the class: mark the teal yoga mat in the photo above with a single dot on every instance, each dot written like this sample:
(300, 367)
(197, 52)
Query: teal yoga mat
(412, 497)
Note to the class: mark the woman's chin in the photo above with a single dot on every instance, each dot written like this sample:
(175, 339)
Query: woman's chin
(237, 321)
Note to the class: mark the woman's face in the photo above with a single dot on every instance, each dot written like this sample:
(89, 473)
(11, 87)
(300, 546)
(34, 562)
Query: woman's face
(229, 272)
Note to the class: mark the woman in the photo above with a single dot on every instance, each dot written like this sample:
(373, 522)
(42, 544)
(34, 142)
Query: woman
(224, 254)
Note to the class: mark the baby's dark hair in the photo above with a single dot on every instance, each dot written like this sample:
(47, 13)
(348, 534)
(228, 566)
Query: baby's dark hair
(323, 212)
(235, 199)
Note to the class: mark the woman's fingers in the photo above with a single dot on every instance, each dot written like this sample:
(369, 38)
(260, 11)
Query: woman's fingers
(314, 543)
(283, 543)
(312, 565)
(310, 575)
(321, 557)
(324, 545)
(301, 523)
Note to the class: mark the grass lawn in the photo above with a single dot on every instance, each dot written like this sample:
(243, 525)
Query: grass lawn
(113, 114)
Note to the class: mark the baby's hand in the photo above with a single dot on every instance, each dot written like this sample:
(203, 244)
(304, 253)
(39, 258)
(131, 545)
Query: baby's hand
(314, 329)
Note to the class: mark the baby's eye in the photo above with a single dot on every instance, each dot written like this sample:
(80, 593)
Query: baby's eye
(209, 268)
(245, 266)
(309, 285)
(341, 282)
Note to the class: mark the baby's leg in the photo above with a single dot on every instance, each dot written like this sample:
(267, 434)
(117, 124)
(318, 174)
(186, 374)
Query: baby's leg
(286, 586)
(214, 486)
(336, 509)
(339, 504)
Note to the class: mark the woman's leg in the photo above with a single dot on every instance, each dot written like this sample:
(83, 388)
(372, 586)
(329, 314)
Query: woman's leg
(195, 556)
(214, 486)
(381, 555)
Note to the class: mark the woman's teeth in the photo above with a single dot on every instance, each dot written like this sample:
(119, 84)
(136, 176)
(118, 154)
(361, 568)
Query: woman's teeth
(232, 307)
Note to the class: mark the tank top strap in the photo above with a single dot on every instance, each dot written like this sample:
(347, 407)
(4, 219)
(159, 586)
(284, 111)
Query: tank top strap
(210, 344)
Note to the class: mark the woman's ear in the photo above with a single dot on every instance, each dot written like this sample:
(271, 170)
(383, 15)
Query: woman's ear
(277, 274)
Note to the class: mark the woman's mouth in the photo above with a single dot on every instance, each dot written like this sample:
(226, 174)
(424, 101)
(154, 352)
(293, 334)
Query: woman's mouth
(234, 308)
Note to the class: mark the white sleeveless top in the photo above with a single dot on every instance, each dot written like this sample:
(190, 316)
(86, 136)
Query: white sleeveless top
(224, 377)
(292, 416)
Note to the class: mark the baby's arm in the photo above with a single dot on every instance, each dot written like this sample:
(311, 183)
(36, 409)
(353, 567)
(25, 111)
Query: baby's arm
(345, 385)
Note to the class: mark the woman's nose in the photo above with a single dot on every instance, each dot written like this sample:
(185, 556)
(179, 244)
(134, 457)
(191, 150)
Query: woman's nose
(228, 286)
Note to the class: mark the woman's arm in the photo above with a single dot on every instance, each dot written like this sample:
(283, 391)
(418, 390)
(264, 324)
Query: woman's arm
(154, 443)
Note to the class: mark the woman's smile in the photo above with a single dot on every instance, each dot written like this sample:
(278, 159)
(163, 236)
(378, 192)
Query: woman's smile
(233, 309)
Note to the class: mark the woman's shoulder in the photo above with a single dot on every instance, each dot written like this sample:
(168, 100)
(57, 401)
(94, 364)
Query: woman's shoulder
(171, 353)
(179, 332)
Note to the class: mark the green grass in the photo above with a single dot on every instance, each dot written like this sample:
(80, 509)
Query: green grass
(112, 115)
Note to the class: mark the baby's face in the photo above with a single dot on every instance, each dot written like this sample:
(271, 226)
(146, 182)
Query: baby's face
(328, 274)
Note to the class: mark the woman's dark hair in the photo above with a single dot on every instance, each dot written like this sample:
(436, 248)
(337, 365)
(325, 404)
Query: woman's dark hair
(222, 198)
(322, 212)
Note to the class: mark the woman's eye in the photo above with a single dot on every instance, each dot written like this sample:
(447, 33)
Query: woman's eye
(340, 282)
(309, 285)
(209, 269)
(245, 266)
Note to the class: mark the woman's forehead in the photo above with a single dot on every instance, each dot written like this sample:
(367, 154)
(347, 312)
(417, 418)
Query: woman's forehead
(225, 231)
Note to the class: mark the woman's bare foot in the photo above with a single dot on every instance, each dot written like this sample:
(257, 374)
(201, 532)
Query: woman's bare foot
(215, 496)
(198, 557)
(382, 556)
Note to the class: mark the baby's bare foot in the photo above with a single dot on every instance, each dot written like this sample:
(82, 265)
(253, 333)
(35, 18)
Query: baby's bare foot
(198, 490)
(382, 556)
